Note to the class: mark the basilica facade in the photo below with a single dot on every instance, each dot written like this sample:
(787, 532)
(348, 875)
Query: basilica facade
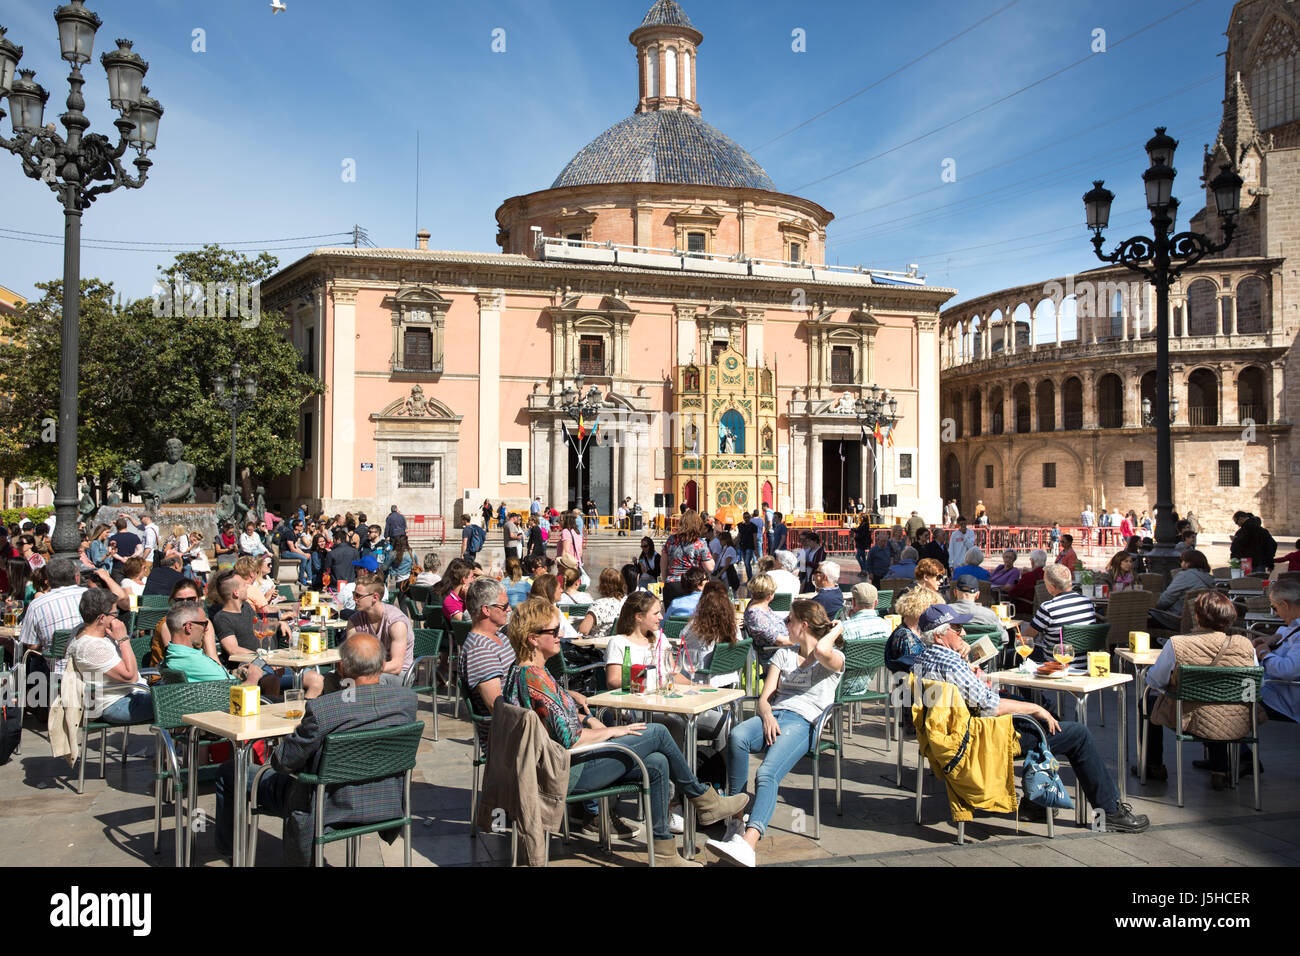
(661, 261)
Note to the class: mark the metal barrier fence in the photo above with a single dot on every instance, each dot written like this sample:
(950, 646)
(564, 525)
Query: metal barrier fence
(426, 528)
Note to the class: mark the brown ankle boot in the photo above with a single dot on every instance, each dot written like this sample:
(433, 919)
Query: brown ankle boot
(710, 808)
(666, 854)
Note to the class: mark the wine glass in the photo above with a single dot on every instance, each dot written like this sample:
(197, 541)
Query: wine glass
(1024, 645)
(1063, 654)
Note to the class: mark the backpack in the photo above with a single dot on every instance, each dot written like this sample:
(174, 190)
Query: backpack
(476, 538)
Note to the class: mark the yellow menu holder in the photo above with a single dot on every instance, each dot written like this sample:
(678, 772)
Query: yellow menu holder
(1139, 642)
(244, 700)
(309, 642)
(1098, 664)
(895, 621)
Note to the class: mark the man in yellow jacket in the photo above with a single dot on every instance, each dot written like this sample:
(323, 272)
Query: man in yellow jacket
(943, 659)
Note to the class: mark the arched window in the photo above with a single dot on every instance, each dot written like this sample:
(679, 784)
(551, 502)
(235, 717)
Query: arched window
(1250, 306)
(1252, 400)
(686, 74)
(731, 436)
(1072, 404)
(975, 416)
(1020, 397)
(1110, 402)
(1202, 398)
(1202, 308)
(652, 72)
(1272, 77)
(952, 479)
(996, 405)
(670, 72)
(1046, 406)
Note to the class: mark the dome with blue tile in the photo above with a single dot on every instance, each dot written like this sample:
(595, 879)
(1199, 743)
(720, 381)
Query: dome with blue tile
(666, 13)
(662, 146)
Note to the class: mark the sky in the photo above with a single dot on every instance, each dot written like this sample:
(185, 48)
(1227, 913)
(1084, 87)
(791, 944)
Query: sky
(970, 161)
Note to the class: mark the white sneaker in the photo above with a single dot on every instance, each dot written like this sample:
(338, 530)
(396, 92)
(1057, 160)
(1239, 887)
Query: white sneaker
(734, 850)
(676, 823)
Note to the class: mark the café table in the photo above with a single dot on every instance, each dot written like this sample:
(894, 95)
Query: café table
(296, 661)
(1079, 687)
(1142, 662)
(269, 722)
(693, 701)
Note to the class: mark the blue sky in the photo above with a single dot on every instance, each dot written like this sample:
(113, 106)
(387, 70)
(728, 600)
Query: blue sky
(258, 126)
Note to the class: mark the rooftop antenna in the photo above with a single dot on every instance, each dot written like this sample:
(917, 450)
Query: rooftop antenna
(417, 180)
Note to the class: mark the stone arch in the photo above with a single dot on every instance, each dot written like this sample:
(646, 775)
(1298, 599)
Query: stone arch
(1046, 393)
(975, 330)
(952, 478)
(1043, 322)
(1022, 317)
(1110, 401)
(1202, 307)
(1252, 395)
(1250, 296)
(994, 493)
(1147, 392)
(1202, 397)
(1069, 312)
(1072, 403)
(997, 407)
(1043, 447)
(997, 332)
(1021, 403)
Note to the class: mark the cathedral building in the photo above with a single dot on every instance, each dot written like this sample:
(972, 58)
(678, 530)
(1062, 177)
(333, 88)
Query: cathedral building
(1042, 424)
(665, 268)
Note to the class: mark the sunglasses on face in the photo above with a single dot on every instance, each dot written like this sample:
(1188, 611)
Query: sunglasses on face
(501, 607)
(552, 631)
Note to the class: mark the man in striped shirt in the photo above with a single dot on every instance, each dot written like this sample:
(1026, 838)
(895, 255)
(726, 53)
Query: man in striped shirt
(1063, 606)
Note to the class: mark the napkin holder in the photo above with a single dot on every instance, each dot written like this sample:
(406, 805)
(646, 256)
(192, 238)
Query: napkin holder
(245, 700)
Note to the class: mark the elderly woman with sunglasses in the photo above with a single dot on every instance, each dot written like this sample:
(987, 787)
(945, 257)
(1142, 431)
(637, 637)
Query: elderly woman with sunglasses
(535, 635)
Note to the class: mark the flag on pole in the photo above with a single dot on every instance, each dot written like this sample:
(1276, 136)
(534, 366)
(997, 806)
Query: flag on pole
(841, 449)
(879, 437)
(567, 437)
(889, 437)
(582, 428)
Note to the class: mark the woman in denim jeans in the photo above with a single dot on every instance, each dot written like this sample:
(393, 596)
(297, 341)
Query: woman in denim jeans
(534, 631)
(799, 686)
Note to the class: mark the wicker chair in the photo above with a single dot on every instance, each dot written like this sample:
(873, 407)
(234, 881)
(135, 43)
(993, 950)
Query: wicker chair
(897, 585)
(1040, 595)
(1150, 581)
(1127, 611)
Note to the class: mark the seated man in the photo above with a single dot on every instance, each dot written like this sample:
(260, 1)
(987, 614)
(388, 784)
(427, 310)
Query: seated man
(187, 624)
(966, 599)
(234, 625)
(1280, 654)
(291, 549)
(165, 574)
(927, 547)
(783, 575)
(363, 705)
(1063, 606)
(906, 566)
(693, 582)
(863, 621)
(387, 622)
(486, 656)
(826, 579)
(943, 660)
(879, 558)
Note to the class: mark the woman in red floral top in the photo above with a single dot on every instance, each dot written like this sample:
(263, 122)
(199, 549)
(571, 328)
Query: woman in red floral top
(535, 635)
(683, 551)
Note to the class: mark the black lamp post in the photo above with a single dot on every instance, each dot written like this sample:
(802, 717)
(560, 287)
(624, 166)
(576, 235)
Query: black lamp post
(239, 397)
(585, 410)
(70, 167)
(878, 408)
(1161, 259)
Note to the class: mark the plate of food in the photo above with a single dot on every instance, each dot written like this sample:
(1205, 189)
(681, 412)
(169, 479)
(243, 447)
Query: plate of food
(1052, 669)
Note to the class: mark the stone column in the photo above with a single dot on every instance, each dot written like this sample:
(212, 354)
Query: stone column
(1132, 400)
(490, 305)
(815, 472)
(1227, 396)
(1228, 309)
(558, 484)
(1178, 383)
(1089, 400)
(1056, 307)
(1058, 396)
(1033, 406)
(344, 387)
(1008, 410)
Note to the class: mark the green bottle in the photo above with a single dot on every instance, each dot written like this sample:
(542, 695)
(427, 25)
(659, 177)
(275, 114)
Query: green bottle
(627, 670)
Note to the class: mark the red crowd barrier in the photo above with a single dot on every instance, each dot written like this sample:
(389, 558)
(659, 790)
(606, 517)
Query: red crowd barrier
(427, 528)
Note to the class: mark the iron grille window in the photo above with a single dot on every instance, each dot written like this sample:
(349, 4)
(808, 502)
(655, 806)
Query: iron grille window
(695, 242)
(416, 473)
(841, 365)
(514, 462)
(1049, 474)
(418, 350)
(1229, 474)
(905, 465)
(988, 476)
(1133, 474)
(591, 355)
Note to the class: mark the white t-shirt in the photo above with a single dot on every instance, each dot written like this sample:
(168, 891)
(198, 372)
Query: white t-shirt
(133, 586)
(658, 653)
(715, 549)
(581, 597)
(806, 690)
(427, 578)
(786, 583)
(94, 657)
(727, 557)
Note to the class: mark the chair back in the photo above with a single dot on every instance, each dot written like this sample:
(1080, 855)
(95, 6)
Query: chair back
(1248, 583)
(171, 676)
(357, 756)
(1086, 637)
(59, 642)
(147, 618)
(154, 601)
(285, 591)
(435, 617)
(897, 585)
(141, 646)
(1040, 595)
(1217, 685)
(1222, 573)
(992, 631)
(1289, 576)
(419, 593)
(428, 642)
(884, 601)
(730, 658)
(1127, 611)
(171, 701)
(1189, 618)
(986, 593)
(863, 659)
(460, 631)
(781, 602)
(673, 626)
(1151, 581)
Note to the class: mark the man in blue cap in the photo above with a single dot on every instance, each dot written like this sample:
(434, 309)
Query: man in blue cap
(943, 659)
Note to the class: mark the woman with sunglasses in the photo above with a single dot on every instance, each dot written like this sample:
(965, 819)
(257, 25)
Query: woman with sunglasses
(535, 635)
(182, 591)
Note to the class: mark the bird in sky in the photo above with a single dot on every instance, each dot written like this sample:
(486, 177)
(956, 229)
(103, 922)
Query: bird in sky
(277, 6)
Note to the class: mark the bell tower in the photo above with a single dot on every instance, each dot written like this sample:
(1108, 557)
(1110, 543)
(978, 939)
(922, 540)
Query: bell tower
(666, 45)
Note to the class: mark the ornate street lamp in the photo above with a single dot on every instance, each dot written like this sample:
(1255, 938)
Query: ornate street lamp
(238, 397)
(585, 411)
(1161, 259)
(71, 166)
(877, 409)
(1148, 418)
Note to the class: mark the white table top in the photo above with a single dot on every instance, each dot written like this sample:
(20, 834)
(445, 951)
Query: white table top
(269, 722)
(1145, 659)
(1070, 685)
(290, 658)
(694, 700)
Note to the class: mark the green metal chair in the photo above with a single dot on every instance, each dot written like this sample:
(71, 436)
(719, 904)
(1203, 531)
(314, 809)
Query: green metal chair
(89, 727)
(864, 659)
(1219, 685)
(146, 620)
(457, 636)
(477, 757)
(428, 647)
(286, 592)
(419, 595)
(349, 758)
(884, 601)
(141, 646)
(781, 602)
(566, 672)
(732, 659)
(1085, 638)
(673, 627)
(172, 700)
(154, 601)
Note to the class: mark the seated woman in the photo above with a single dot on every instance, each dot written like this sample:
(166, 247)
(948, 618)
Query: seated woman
(514, 583)
(713, 623)
(765, 626)
(534, 634)
(429, 575)
(102, 656)
(1007, 575)
(1120, 572)
(183, 590)
(1022, 592)
(1208, 645)
(550, 588)
(450, 591)
(319, 555)
(637, 632)
(1194, 574)
(974, 566)
(572, 589)
(906, 566)
(603, 613)
(648, 564)
(905, 643)
(929, 573)
(799, 686)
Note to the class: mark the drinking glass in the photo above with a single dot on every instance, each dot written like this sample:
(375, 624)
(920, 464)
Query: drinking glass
(293, 704)
(1024, 645)
(1063, 653)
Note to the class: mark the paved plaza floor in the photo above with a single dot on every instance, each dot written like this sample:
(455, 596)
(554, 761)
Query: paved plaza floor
(44, 822)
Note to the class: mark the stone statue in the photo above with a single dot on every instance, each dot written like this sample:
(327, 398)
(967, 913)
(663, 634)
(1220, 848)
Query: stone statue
(225, 506)
(164, 482)
(692, 439)
(845, 406)
(726, 443)
(417, 406)
(259, 506)
(86, 506)
(114, 493)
